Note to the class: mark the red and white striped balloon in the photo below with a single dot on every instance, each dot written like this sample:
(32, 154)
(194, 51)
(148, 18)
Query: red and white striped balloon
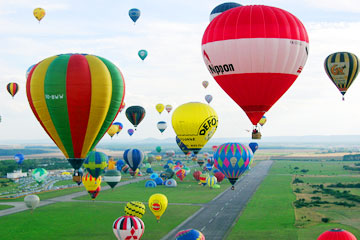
(255, 53)
(129, 228)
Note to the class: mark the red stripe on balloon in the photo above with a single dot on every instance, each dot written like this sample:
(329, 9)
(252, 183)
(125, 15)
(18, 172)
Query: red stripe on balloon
(255, 93)
(255, 21)
(78, 93)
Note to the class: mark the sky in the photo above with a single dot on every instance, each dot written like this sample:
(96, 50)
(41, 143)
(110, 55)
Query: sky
(171, 32)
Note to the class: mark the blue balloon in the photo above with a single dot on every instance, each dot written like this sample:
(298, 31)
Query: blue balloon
(150, 183)
(149, 170)
(166, 166)
(154, 176)
(209, 166)
(159, 181)
(254, 146)
(133, 157)
(178, 162)
(134, 14)
(170, 161)
(222, 8)
(119, 164)
(19, 158)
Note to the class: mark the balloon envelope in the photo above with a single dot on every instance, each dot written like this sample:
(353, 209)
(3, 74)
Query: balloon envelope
(39, 175)
(222, 8)
(95, 163)
(131, 131)
(194, 124)
(253, 146)
(135, 208)
(168, 108)
(161, 126)
(342, 69)
(135, 114)
(128, 227)
(19, 158)
(337, 234)
(133, 157)
(142, 54)
(32, 201)
(12, 88)
(208, 98)
(39, 13)
(158, 203)
(255, 55)
(75, 97)
(134, 14)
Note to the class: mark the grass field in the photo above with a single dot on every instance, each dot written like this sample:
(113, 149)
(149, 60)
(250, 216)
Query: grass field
(286, 222)
(259, 222)
(63, 182)
(2, 207)
(188, 191)
(92, 220)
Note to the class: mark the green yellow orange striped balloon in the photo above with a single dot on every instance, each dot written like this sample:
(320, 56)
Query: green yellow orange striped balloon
(342, 68)
(75, 97)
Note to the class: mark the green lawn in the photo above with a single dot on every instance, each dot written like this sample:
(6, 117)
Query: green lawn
(2, 207)
(330, 168)
(333, 179)
(91, 220)
(188, 191)
(64, 182)
(269, 214)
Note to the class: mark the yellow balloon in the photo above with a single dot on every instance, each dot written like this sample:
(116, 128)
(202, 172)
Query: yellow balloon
(194, 124)
(39, 13)
(113, 130)
(262, 121)
(91, 183)
(160, 107)
(158, 203)
(112, 163)
(158, 157)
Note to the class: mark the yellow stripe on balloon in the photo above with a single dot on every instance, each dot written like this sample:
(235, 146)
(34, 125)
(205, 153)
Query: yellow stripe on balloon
(101, 91)
(38, 99)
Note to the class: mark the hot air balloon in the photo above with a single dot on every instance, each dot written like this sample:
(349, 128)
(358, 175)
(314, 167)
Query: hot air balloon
(39, 175)
(19, 158)
(39, 13)
(255, 53)
(222, 8)
(337, 234)
(219, 176)
(194, 124)
(142, 54)
(120, 126)
(92, 185)
(211, 181)
(168, 108)
(203, 177)
(342, 68)
(160, 107)
(75, 97)
(158, 203)
(12, 88)
(134, 14)
(32, 201)
(196, 175)
(112, 177)
(128, 228)
(205, 84)
(135, 208)
(122, 106)
(135, 114)
(262, 121)
(158, 149)
(232, 159)
(161, 126)
(181, 173)
(113, 129)
(253, 146)
(208, 98)
(158, 157)
(133, 157)
(95, 163)
(189, 234)
(130, 132)
(150, 184)
(29, 70)
(170, 183)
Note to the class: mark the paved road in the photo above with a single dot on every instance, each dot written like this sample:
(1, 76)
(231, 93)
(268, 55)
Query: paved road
(217, 217)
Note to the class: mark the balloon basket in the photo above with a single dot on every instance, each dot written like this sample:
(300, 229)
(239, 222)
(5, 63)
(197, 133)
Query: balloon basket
(256, 135)
(232, 187)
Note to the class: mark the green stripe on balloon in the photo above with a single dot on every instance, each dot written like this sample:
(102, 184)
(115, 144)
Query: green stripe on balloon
(118, 92)
(55, 95)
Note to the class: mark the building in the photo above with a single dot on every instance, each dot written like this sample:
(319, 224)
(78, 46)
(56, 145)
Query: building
(16, 174)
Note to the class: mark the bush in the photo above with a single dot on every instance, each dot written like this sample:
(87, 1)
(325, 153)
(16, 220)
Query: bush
(325, 220)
